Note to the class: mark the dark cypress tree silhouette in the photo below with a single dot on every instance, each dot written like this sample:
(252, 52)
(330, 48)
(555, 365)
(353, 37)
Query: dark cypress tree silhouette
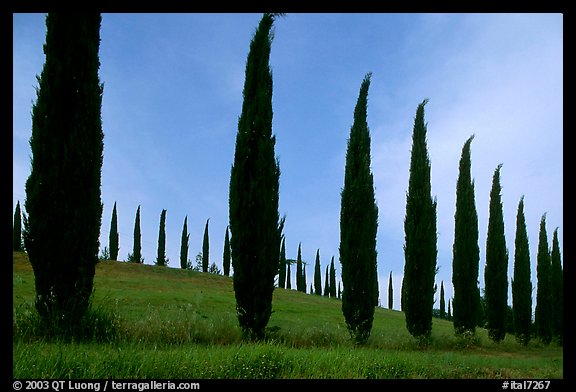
(543, 314)
(136, 255)
(255, 224)
(390, 293)
(557, 290)
(466, 253)
(113, 239)
(449, 311)
(358, 227)
(184, 245)
(420, 237)
(17, 229)
(205, 248)
(282, 265)
(288, 273)
(226, 254)
(63, 198)
(521, 284)
(304, 277)
(317, 275)
(332, 279)
(442, 301)
(300, 283)
(161, 257)
(326, 284)
(496, 270)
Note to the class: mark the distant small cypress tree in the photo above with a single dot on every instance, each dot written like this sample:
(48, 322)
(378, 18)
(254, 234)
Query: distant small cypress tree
(226, 254)
(300, 284)
(136, 255)
(113, 239)
(326, 284)
(184, 244)
(449, 311)
(442, 303)
(17, 230)
(161, 258)
(303, 277)
(521, 284)
(333, 293)
(390, 292)
(543, 314)
(288, 283)
(317, 275)
(205, 249)
(557, 290)
(282, 265)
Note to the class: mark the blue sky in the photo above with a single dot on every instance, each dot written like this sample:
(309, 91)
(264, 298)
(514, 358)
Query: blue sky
(173, 94)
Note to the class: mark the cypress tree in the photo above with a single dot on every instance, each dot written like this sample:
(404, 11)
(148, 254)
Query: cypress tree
(113, 239)
(226, 254)
(317, 275)
(326, 284)
(390, 293)
(205, 249)
(557, 290)
(63, 198)
(288, 284)
(420, 236)
(543, 314)
(358, 227)
(466, 253)
(449, 311)
(442, 302)
(161, 258)
(521, 284)
(17, 229)
(303, 277)
(184, 244)
(332, 279)
(300, 284)
(496, 270)
(136, 255)
(255, 224)
(282, 265)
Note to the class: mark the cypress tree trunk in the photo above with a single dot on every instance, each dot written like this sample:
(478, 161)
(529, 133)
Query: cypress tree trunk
(282, 265)
(226, 254)
(390, 293)
(521, 284)
(205, 249)
(442, 302)
(17, 229)
(63, 189)
(332, 279)
(557, 291)
(358, 227)
(161, 257)
(184, 243)
(254, 192)
(466, 253)
(420, 237)
(496, 270)
(113, 239)
(543, 314)
(317, 275)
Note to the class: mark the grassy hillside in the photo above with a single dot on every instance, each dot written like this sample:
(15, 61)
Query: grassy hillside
(171, 323)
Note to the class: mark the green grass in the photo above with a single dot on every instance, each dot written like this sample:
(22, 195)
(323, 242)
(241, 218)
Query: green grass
(168, 323)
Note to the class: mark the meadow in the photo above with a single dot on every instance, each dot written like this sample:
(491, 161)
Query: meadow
(168, 323)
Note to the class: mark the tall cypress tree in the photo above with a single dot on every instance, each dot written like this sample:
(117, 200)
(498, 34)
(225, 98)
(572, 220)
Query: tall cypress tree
(161, 257)
(205, 248)
(496, 270)
(358, 227)
(113, 239)
(303, 277)
(420, 236)
(317, 275)
(136, 255)
(466, 253)
(282, 265)
(288, 273)
(543, 313)
(521, 284)
(17, 229)
(226, 254)
(184, 245)
(300, 284)
(254, 192)
(63, 198)
(442, 301)
(332, 279)
(390, 293)
(326, 284)
(557, 290)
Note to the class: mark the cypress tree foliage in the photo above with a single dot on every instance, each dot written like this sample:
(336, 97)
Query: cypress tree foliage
(496, 270)
(226, 254)
(255, 224)
(358, 226)
(63, 198)
(205, 248)
(161, 257)
(543, 314)
(390, 293)
(521, 284)
(317, 275)
(332, 279)
(113, 239)
(288, 273)
(17, 229)
(326, 284)
(449, 311)
(420, 237)
(304, 278)
(557, 291)
(300, 284)
(442, 302)
(466, 253)
(136, 255)
(282, 265)
(184, 245)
